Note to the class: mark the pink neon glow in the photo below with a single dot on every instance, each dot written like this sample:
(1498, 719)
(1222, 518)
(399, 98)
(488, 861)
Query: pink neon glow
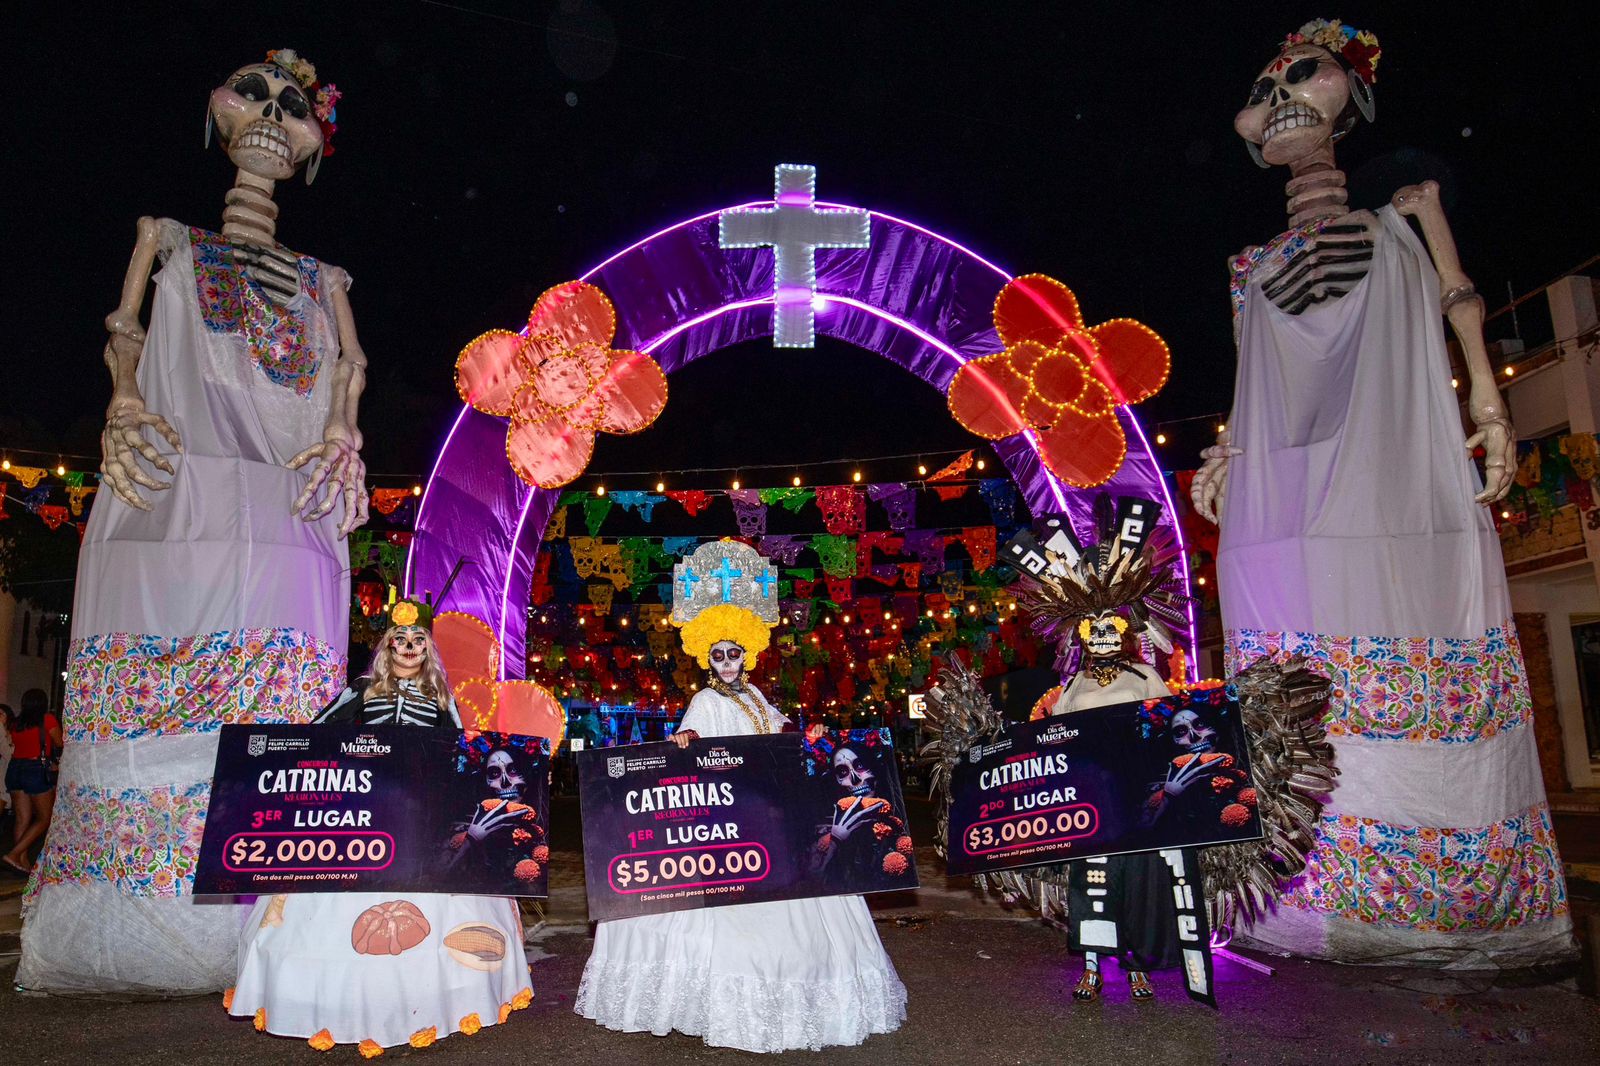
(796, 199)
(924, 336)
(422, 503)
(1183, 550)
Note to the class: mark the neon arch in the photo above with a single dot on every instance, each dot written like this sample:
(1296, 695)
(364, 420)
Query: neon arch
(913, 296)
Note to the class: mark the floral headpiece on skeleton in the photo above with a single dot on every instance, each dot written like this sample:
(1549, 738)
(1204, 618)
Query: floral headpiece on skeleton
(1358, 48)
(324, 98)
(1125, 580)
(724, 591)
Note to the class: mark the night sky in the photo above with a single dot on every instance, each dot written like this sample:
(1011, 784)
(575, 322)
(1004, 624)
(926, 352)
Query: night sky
(490, 149)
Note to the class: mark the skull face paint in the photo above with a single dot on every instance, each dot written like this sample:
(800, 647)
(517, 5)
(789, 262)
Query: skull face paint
(1102, 635)
(1191, 734)
(852, 773)
(500, 773)
(727, 661)
(265, 121)
(1296, 104)
(408, 646)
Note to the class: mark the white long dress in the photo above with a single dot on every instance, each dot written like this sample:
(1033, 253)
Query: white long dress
(806, 973)
(216, 606)
(418, 967)
(1351, 536)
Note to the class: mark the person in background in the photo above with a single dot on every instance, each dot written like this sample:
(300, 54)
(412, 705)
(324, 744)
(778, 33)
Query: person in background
(35, 736)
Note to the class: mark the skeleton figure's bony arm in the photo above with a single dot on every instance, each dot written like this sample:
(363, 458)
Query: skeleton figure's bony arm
(126, 418)
(338, 467)
(1464, 308)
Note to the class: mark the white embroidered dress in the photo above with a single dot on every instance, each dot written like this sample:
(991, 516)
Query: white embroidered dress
(1351, 536)
(217, 605)
(808, 973)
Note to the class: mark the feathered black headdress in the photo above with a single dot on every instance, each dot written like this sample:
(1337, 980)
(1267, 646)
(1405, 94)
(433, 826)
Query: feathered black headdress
(1129, 570)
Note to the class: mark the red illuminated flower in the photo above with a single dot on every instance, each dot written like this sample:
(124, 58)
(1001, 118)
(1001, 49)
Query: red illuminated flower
(1235, 815)
(560, 382)
(894, 864)
(527, 870)
(1061, 379)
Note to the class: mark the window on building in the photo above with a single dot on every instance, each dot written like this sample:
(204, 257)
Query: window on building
(1586, 646)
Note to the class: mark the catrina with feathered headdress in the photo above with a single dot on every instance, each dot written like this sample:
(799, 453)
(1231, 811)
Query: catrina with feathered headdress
(1094, 603)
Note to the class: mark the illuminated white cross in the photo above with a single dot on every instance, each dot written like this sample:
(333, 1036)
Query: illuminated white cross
(794, 228)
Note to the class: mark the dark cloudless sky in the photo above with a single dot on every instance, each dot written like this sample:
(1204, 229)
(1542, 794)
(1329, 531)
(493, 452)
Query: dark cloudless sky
(491, 148)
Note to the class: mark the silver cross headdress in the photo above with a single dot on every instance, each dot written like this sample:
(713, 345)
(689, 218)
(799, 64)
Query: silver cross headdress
(724, 571)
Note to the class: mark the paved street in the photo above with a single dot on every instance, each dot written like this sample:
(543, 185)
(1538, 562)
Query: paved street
(986, 985)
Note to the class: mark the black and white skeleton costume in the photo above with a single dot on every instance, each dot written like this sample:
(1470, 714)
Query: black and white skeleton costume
(408, 706)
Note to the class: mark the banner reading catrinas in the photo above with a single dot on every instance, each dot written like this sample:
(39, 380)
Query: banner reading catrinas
(328, 808)
(742, 819)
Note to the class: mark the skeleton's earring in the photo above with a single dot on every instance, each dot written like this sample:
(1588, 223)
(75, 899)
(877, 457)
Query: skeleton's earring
(1255, 153)
(210, 123)
(314, 165)
(1361, 92)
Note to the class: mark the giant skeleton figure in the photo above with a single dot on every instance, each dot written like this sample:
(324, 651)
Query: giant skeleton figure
(1352, 536)
(222, 595)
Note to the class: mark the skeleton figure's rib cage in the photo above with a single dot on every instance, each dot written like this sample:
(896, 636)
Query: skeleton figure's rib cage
(1352, 534)
(217, 595)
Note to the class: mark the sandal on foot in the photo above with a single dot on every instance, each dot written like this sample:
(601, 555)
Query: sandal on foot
(1139, 985)
(1088, 987)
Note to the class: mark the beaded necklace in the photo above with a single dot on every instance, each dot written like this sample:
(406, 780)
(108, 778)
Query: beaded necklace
(762, 723)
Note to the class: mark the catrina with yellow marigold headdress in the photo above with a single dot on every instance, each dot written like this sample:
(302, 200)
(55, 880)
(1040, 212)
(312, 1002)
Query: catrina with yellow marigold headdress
(725, 603)
(649, 972)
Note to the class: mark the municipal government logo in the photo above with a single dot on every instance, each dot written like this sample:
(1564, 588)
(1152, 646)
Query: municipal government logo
(257, 744)
(615, 766)
(974, 753)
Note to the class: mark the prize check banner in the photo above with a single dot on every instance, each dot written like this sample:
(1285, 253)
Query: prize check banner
(1166, 773)
(333, 808)
(742, 819)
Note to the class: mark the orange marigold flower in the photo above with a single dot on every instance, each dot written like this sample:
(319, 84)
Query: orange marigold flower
(1235, 815)
(526, 870)
(322, 1041)
(491, 804)
(541, 853)
(522, 999)
(904, 846)
(825, 842)
(881, 830)
(227, 999)
(471, 1024)
(1247, 796)
(424, 1037)
(520, 836)
(1220, 784)
(457, 840)
(505, 1012)
(370, 1049)
(261, 1019)
(894, 864)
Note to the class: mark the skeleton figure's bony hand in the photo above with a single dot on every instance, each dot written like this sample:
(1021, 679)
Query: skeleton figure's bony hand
(1499, 443)
(123, 440)
(1179, 778)
(1209, 489)
(338, 472)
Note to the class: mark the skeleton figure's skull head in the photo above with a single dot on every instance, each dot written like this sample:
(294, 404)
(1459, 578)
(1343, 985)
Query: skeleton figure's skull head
(1102, 635)
(1303, 100)
(501, 775)
(1191, 734)
(727, 661)
(852, 772)
(265, 121)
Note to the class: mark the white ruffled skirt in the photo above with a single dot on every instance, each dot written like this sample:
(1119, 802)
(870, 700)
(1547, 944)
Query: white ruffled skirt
(360, 966)
(807, 973)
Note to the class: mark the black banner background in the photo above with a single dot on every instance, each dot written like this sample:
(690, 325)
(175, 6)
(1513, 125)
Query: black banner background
(785, 792)
(400, 799)
(1004, 817)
